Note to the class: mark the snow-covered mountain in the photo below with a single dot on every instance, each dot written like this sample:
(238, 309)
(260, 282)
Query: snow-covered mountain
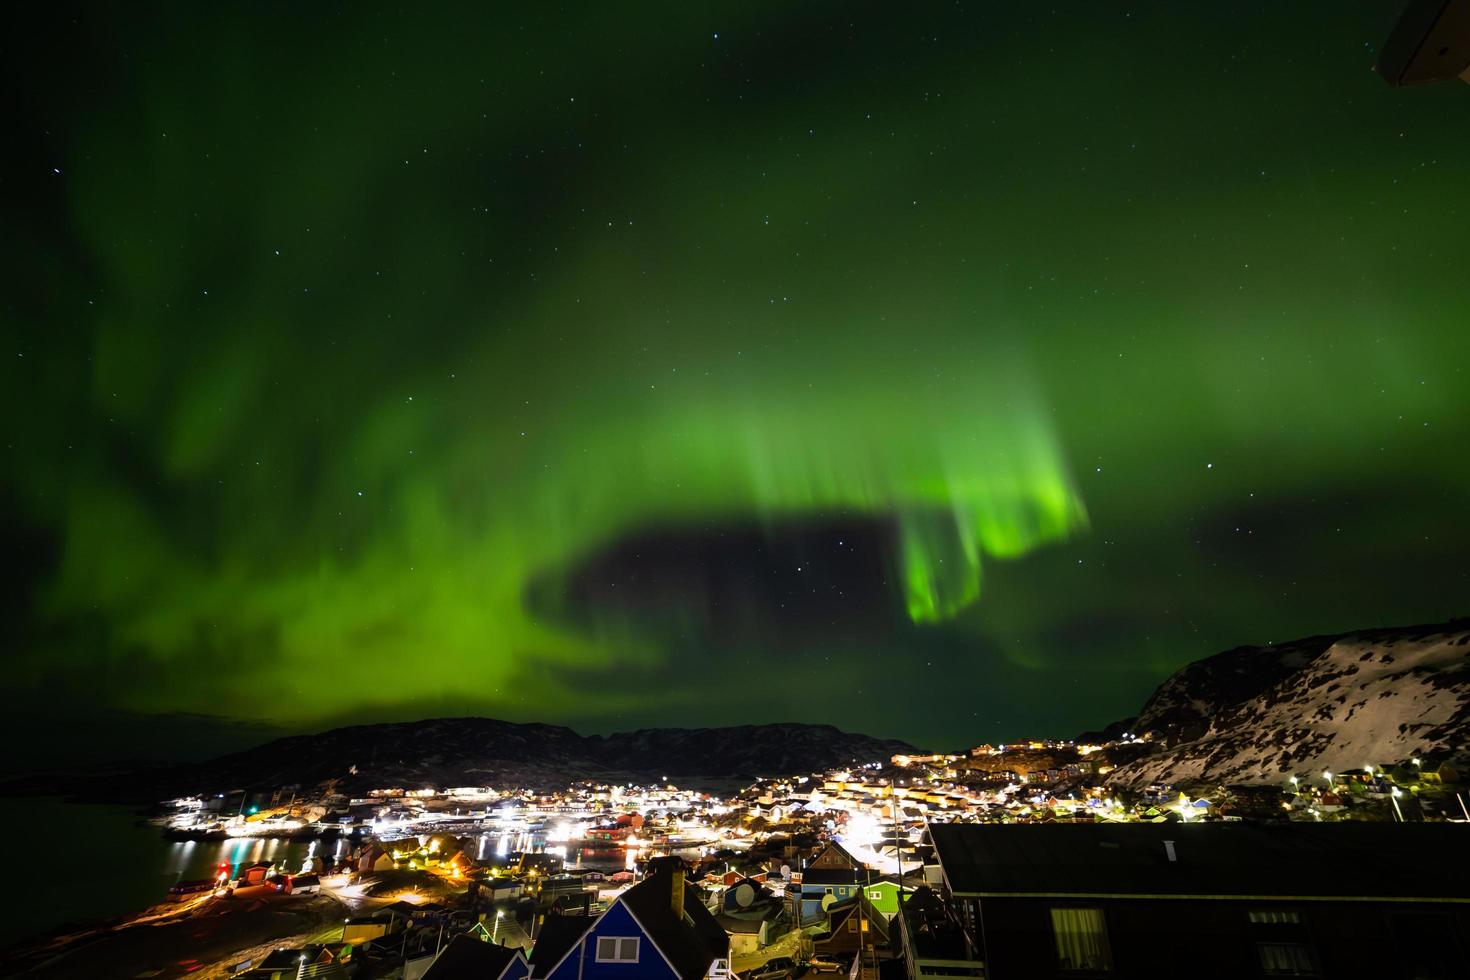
(1262, 714)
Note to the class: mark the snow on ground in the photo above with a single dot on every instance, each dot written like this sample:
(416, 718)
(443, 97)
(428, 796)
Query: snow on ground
(1363, 701)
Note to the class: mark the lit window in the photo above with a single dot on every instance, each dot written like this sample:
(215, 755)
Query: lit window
(1275, 917)
(617, 949)
(1082, 940)
(1286, 960)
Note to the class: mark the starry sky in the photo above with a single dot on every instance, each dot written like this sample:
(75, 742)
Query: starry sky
(944, 371)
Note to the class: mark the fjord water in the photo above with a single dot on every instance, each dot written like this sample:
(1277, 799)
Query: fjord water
(94, 862)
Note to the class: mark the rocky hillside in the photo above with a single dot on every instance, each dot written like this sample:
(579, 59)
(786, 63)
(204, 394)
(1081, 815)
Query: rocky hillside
(1260, 714)
(485, 752)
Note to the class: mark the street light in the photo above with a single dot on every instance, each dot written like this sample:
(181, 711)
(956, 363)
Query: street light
(1327, 775)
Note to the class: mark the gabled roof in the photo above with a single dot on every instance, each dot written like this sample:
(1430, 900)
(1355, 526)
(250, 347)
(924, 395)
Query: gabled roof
(400, 907)
(690, 942)
(732, 925)
(833, 876)
(466, 958)
(834, 854)
(1340, 861)
(278, 959)
(558, 933)
(840, 912)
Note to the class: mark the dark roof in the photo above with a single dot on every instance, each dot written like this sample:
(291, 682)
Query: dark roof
(278, 959)
(691, 942)
(469, 958)
(932, 927)
(837, 848)
(731, 924)
(558, 933)
(1229, 860)
(833, 876)
(840, 912)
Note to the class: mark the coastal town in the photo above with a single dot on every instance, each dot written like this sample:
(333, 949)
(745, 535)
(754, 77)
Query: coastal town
(850, 870)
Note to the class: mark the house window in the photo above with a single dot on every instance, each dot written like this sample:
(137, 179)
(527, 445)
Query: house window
(1286, 959)
(617, 949)
(1082, 940)
(874, 894)
(1282, 944)
(827, 890)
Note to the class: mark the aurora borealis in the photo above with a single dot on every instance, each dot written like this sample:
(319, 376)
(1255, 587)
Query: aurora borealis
(939, 371)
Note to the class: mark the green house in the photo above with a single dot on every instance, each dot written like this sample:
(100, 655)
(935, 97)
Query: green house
(882, 895)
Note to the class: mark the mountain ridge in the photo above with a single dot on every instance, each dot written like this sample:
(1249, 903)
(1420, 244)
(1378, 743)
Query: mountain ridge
(1259, 714)
(475, 751)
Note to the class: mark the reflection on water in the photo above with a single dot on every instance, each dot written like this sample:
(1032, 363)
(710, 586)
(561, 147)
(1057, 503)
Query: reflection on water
(189, 860)
(102, 862)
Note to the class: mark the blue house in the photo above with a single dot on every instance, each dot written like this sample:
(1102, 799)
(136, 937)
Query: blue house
(656, 930)
(831, 876)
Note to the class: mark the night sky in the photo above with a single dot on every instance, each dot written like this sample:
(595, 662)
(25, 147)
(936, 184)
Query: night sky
(945, 371)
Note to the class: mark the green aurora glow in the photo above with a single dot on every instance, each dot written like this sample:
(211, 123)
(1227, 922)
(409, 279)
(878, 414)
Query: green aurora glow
(336, 334)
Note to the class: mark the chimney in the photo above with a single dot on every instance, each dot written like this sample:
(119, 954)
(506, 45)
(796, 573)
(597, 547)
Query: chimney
(1169, 850)
(672, 866)
(676, 891)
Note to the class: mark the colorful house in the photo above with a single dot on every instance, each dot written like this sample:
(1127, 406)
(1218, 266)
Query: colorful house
(851, 926)
(882, 896)
(832, 876)
(656, 930)
(375, 858)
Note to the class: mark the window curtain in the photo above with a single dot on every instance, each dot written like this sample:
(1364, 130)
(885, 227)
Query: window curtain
(1082, 939)
(1286, 959)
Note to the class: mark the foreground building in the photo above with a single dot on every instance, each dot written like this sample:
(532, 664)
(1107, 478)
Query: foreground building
(1208, 900)
(468, 958)
(656, 930)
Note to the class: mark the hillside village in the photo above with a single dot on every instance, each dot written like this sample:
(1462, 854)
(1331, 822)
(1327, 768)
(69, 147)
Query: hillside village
(838, 871)
(842, 869)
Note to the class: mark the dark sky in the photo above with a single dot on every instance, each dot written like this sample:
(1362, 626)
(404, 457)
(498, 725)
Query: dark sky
(948, 371)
